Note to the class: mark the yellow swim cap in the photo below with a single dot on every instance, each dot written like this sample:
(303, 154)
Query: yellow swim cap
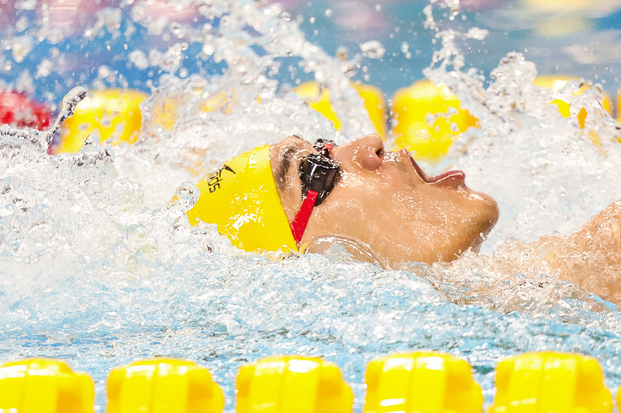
(241, 198)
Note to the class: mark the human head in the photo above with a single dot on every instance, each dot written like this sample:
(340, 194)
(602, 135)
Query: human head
(242, 200)
(386, 203)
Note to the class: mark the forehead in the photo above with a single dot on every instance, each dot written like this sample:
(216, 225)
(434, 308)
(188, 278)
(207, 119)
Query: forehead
(294, 142)
(288, 149)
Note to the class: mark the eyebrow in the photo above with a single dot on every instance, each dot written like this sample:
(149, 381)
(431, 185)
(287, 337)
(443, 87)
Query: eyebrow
(284, 161)
(283, 165)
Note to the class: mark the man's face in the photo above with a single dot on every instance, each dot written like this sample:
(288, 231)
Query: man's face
(387, 203)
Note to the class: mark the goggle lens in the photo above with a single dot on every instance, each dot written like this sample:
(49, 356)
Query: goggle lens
(318, 172)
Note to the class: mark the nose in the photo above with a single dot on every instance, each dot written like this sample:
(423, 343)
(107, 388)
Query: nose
(366, 153)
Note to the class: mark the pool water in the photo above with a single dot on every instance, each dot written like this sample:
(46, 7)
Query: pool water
(98, 271)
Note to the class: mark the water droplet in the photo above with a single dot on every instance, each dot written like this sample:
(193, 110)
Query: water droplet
(372, 49)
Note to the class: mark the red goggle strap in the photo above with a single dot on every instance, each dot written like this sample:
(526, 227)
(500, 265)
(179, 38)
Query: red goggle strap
(298, 226)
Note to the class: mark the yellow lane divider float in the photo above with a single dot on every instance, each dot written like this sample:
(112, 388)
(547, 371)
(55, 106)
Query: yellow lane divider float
(421, 382)
(550, 382)
(556, 83)
(165, 111)
(163, 385)
(292, 384)
(427, 119)
(44, 386)
(424, 382)
(113, 114)
(319, 99)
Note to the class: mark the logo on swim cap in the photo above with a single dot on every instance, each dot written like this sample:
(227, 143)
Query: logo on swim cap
(242, 200)
(213, 180)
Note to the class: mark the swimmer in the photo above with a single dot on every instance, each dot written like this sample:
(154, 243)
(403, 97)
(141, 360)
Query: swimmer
(386, 203)
(295, 196)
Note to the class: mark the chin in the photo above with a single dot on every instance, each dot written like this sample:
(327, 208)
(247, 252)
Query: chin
(476, 244)
(481, 224)
(487, 213)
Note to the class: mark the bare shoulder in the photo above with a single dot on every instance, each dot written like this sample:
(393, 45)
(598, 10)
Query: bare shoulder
(603, 233)
(590, 256)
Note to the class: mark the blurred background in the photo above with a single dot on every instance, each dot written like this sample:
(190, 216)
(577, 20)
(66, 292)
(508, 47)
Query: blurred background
(573, 37)
(48, 47)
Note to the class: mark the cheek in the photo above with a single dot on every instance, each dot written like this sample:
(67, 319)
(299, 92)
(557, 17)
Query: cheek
(363, 183)
(360, 198)
(353, 200)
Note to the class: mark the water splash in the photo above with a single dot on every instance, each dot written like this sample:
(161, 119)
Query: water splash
(98, 268)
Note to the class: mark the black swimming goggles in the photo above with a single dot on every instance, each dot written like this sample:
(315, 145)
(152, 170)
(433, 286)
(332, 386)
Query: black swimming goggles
(319, 173)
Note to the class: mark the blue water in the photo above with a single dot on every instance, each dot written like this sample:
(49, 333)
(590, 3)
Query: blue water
(96, 271)
(348, 314)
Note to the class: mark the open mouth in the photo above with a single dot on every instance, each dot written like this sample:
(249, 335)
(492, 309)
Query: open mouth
(455, 176)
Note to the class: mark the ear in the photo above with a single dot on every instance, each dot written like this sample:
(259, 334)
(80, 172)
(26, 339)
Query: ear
(344, 248)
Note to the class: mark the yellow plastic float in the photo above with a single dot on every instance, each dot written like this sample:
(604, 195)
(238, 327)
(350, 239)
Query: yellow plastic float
(410, 109)
(550, 382)
(407, 382)
(113, 113)
(163, 385)
(292, 384)
(44, 386)
(414, 106)
(424, 382)
(319, 99)
(165, 110)
(556, 83)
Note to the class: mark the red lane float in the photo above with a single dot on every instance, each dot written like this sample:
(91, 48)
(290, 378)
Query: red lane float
(18, 111)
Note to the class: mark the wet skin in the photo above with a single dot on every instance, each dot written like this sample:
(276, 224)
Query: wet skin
(385, 202)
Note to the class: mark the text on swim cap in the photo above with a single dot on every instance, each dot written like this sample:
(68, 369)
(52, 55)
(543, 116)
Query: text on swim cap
(213, 181)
